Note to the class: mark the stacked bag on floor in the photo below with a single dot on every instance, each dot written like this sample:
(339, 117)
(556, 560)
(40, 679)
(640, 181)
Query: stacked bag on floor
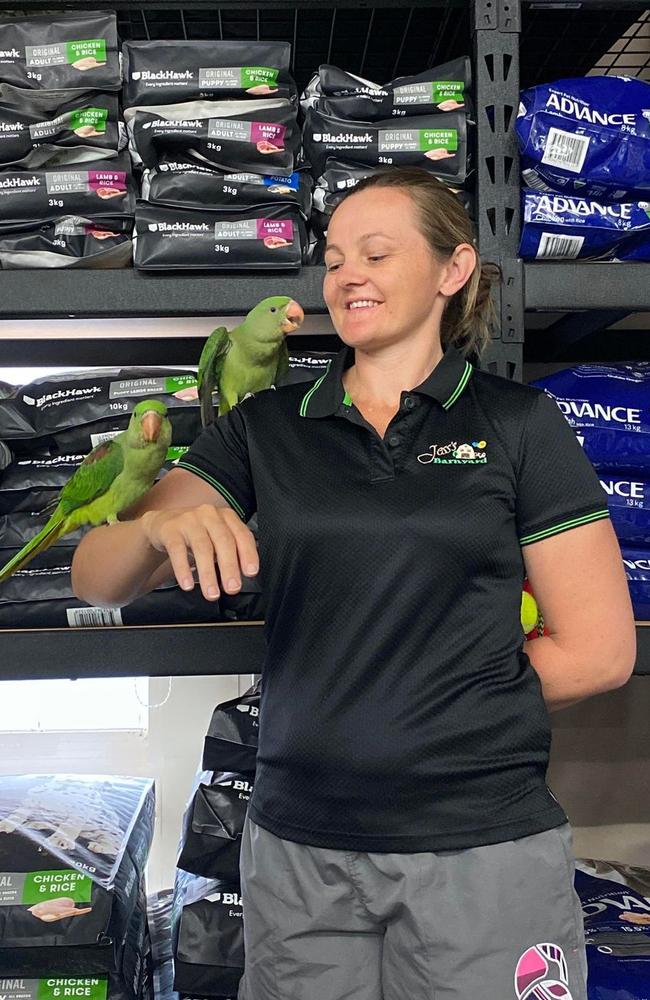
(585, 157)
(67, 197)
(354, 127)
(73, 850)
(214, 127)
(207, 912)
(608, 406)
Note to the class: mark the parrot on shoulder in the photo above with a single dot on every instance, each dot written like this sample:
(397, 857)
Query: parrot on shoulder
(249, 358)
(112, 477)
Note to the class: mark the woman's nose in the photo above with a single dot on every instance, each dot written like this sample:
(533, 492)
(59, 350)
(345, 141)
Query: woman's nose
(349, 274)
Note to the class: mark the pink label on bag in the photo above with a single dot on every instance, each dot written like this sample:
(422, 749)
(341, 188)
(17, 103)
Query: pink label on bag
(268, 134)
(275, 229)
(115, 179)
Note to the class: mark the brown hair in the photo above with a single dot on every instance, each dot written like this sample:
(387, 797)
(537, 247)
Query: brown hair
(444, 223)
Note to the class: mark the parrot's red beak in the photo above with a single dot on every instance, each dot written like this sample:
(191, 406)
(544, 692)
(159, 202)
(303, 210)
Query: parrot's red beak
(293, 317)
(151, 424)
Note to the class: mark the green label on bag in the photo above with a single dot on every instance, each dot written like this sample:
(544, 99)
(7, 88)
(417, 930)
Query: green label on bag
(393, 140)
(88, 48)
(177, 382)
(80, 989)
(95, 117)
(430, 92)
(438, 138)
(253, 76)
(447, 90)
(176, 451)
(53, 885)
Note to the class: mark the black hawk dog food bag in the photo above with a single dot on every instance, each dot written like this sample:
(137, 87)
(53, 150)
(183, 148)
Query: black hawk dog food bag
(159, 913)
(61, 51)
(96, 189)
(189, 184)
(438, 90)
(207, 936)
(231, 741)
(72, 412)
(259, 137)
(213, 824)
(72, 241)
(72, 854)
(265, 238)
(434, 142)
(165, 72)
(58, 127)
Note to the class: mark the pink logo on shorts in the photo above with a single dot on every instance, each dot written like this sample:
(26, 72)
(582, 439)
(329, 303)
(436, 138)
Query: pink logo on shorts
(542, 974)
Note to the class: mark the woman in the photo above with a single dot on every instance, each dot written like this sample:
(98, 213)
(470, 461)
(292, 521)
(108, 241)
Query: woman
(401, 840)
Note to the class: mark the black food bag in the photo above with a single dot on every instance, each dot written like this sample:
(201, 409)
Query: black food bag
(73, 849)
(61, 51)
(231, 741)
(266, 238)
(165, 72)
(434, 142)
(439, 90)
(207, 936)
(73, 241)
(213, 824)
(94, 189)
(194, 185)
(71, 412)
(41, 128)
(159, 914)
(257, 136)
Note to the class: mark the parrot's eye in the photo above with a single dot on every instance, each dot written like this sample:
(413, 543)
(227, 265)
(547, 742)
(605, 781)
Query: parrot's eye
(274, 309)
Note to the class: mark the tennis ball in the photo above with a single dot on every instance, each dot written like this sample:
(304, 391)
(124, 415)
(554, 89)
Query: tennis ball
(529, 612)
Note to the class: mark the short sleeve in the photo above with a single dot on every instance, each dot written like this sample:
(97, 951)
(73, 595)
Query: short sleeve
(557, 486)
(220, 457)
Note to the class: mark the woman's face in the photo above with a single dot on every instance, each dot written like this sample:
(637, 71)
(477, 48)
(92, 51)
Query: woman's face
(382, 282)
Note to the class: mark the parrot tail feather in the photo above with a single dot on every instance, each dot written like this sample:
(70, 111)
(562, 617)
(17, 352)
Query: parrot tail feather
(46, 537)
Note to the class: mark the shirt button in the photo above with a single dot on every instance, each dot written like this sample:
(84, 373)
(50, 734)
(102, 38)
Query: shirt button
(409, 402)
(394, 440)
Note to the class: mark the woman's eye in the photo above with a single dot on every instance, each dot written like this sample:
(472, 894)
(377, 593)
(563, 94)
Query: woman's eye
(331, 267)
(376, 256)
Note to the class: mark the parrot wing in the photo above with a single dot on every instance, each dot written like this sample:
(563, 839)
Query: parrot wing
(211, 364)
(283, 362)
(92, 479)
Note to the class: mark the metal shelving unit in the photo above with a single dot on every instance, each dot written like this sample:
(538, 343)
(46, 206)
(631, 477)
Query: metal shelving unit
(514, 43)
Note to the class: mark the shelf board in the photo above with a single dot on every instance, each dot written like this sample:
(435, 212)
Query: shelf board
(158, 651)
(569, 286)
(67, 294)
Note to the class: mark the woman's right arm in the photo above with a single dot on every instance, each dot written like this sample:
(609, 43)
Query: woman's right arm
(181, 520)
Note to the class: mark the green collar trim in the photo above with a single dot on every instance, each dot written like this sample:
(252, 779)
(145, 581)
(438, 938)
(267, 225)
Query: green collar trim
(305, 399)
(464, 379)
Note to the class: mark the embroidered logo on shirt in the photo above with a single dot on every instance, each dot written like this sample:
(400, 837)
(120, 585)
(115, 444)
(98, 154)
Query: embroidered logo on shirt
(454, 453)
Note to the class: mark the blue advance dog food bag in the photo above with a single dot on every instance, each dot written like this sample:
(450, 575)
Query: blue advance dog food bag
(588, 136)
(608, 406)
(628, 500)
(637, 571)
(564, 226)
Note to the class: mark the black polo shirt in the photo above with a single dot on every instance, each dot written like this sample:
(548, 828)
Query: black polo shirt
(400, 711)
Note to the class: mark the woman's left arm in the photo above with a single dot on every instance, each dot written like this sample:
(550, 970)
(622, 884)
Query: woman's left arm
(579, 583)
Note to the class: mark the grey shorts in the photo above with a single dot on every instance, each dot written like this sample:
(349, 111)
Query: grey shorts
(501, 922)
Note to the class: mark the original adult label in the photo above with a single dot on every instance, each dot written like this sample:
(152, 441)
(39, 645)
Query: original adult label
(67, 53)
(255, 229)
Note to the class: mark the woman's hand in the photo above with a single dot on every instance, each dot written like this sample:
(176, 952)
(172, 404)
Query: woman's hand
(215, 537)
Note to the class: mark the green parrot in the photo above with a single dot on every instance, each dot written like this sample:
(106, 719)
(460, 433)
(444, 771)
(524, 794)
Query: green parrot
(111, 478)
(249, 358)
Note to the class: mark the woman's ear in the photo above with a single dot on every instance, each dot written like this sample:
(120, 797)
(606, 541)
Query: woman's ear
(458, 269)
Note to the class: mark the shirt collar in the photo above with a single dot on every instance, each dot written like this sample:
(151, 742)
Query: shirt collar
(445, 383)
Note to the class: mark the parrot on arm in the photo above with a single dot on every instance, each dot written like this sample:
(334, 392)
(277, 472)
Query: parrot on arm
(249, 358)
(112, 477)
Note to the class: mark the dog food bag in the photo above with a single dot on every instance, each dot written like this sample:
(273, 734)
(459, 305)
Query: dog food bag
(71, 412)
(255, 136)
(587, 136)
(72, 852)
(231, 741)
(207, 936)
(608, 406)
(563, 226)
(637, 570)
(193, 185)
(615, 901)
(61, 51)
(71, 241)
(166, 72)
(39, 128)
(213, 824)
(159, 914)
(265, 238)
(102, 188)
(436, 143)
(435, 91)
(628, 499)
(60, 987)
